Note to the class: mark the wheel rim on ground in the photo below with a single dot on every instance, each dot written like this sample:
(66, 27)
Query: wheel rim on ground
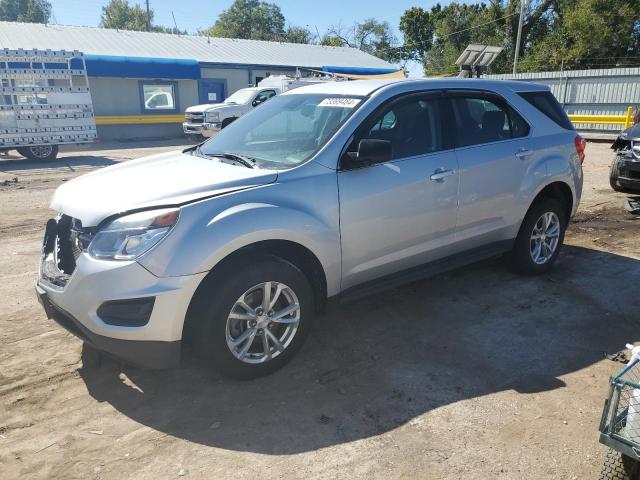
(545, 237)
(263, 322)
(41, 151)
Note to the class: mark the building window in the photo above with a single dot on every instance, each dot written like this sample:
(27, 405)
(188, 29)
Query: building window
(159, 97)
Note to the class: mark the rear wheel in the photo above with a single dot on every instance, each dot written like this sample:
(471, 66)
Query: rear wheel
(39, 152)
(617, 466)
(540, 237)
(252, 317)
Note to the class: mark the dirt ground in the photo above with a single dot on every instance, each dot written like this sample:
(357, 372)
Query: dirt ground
(476, 374)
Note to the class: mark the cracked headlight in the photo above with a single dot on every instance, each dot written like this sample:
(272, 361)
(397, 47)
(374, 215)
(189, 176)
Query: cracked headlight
(211, 117)
(128, 237)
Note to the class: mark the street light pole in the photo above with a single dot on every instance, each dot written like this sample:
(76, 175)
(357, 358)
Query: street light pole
(517, 49)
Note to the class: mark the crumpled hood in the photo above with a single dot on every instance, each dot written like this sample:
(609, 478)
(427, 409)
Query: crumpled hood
(165, 179)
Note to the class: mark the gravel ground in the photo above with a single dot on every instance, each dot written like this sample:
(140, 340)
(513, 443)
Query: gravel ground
(475, 374)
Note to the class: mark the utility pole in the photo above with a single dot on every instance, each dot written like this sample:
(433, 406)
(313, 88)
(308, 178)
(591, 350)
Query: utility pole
(174, 22)
(517, 49)
(148, 17)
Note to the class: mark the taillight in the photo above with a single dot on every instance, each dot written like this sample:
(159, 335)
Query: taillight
(581, 144)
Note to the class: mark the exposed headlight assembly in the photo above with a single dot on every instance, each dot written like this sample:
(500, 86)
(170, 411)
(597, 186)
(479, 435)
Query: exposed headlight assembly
(212, 117)
(128, 237)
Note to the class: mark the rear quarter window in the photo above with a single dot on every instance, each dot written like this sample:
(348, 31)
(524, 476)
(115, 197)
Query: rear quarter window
(547, 104)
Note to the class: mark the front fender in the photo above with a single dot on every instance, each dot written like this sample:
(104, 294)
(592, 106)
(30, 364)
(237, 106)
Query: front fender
(208, 238)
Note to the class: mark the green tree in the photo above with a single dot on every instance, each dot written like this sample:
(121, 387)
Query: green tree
(119, 14)
(30, 11)
(331, 41)
(370, 36)
(299, 35)
(555, 33)
(250, 19)
(417, 27)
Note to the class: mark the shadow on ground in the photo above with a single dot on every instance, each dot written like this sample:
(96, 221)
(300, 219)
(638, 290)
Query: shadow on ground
(374, 365)
(10, 164)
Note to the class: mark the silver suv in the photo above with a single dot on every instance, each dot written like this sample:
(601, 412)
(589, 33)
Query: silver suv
(331, 190)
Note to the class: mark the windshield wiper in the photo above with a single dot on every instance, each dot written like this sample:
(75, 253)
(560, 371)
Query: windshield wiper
(241, 159)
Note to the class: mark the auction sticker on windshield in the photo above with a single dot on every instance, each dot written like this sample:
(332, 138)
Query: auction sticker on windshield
(339, 102)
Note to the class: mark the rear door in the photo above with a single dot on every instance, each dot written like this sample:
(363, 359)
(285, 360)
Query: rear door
(401, 213)
(494, 152)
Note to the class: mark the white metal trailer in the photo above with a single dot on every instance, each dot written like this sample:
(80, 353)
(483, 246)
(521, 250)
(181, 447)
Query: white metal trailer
(44, 102)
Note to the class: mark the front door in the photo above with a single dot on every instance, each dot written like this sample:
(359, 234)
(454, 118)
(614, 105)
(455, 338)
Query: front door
(402, 213)
(211, 91)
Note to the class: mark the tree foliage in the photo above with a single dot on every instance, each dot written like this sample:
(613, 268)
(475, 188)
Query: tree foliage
(299, 35)
(30, 11)
(555, 33)
(250, 19)
(370, 35)
(119, 14)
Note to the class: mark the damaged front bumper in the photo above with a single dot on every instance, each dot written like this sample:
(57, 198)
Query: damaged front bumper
(118, 307)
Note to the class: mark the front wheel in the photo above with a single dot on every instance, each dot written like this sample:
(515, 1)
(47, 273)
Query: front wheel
(617, 466)
(253, 316)
(540, 237)
(614, 172)
(41, 153)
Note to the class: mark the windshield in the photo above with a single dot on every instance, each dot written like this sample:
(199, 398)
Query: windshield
(285, 131)
(241, 96)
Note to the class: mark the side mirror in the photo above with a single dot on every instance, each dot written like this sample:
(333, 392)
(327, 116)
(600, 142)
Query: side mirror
(257, 101)
(372, 151)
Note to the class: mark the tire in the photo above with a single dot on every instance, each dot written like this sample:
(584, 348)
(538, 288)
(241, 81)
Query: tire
(617, 466)
(522, 255)
(214, 329)
(614, 172)
(39, 153)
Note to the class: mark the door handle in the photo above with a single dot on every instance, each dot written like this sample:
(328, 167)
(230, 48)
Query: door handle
(523, 153)
(441, 174)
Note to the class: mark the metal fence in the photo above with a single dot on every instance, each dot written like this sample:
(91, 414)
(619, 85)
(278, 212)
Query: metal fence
(605, 93)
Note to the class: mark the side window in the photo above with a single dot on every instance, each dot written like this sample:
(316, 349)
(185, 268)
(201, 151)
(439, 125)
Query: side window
(413, 127)
(485, 120)
(264, 96)
(387, 122)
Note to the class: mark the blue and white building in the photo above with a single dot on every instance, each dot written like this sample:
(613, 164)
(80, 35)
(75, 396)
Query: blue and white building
(141, 82)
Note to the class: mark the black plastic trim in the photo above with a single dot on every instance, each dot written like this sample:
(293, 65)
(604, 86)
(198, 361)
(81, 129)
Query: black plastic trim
(142, 353)
(133, 312)
(424, 271)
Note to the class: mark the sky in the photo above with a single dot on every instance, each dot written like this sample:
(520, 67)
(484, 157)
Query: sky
(317, 15)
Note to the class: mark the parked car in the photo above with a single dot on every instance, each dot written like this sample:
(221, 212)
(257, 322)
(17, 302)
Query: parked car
(329, 191)
(208, 119)
(624, 175)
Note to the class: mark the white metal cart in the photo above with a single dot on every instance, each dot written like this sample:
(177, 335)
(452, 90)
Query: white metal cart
(44, 102)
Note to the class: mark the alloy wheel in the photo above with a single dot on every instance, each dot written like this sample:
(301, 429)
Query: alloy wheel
(545, 238)
(263, 322)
